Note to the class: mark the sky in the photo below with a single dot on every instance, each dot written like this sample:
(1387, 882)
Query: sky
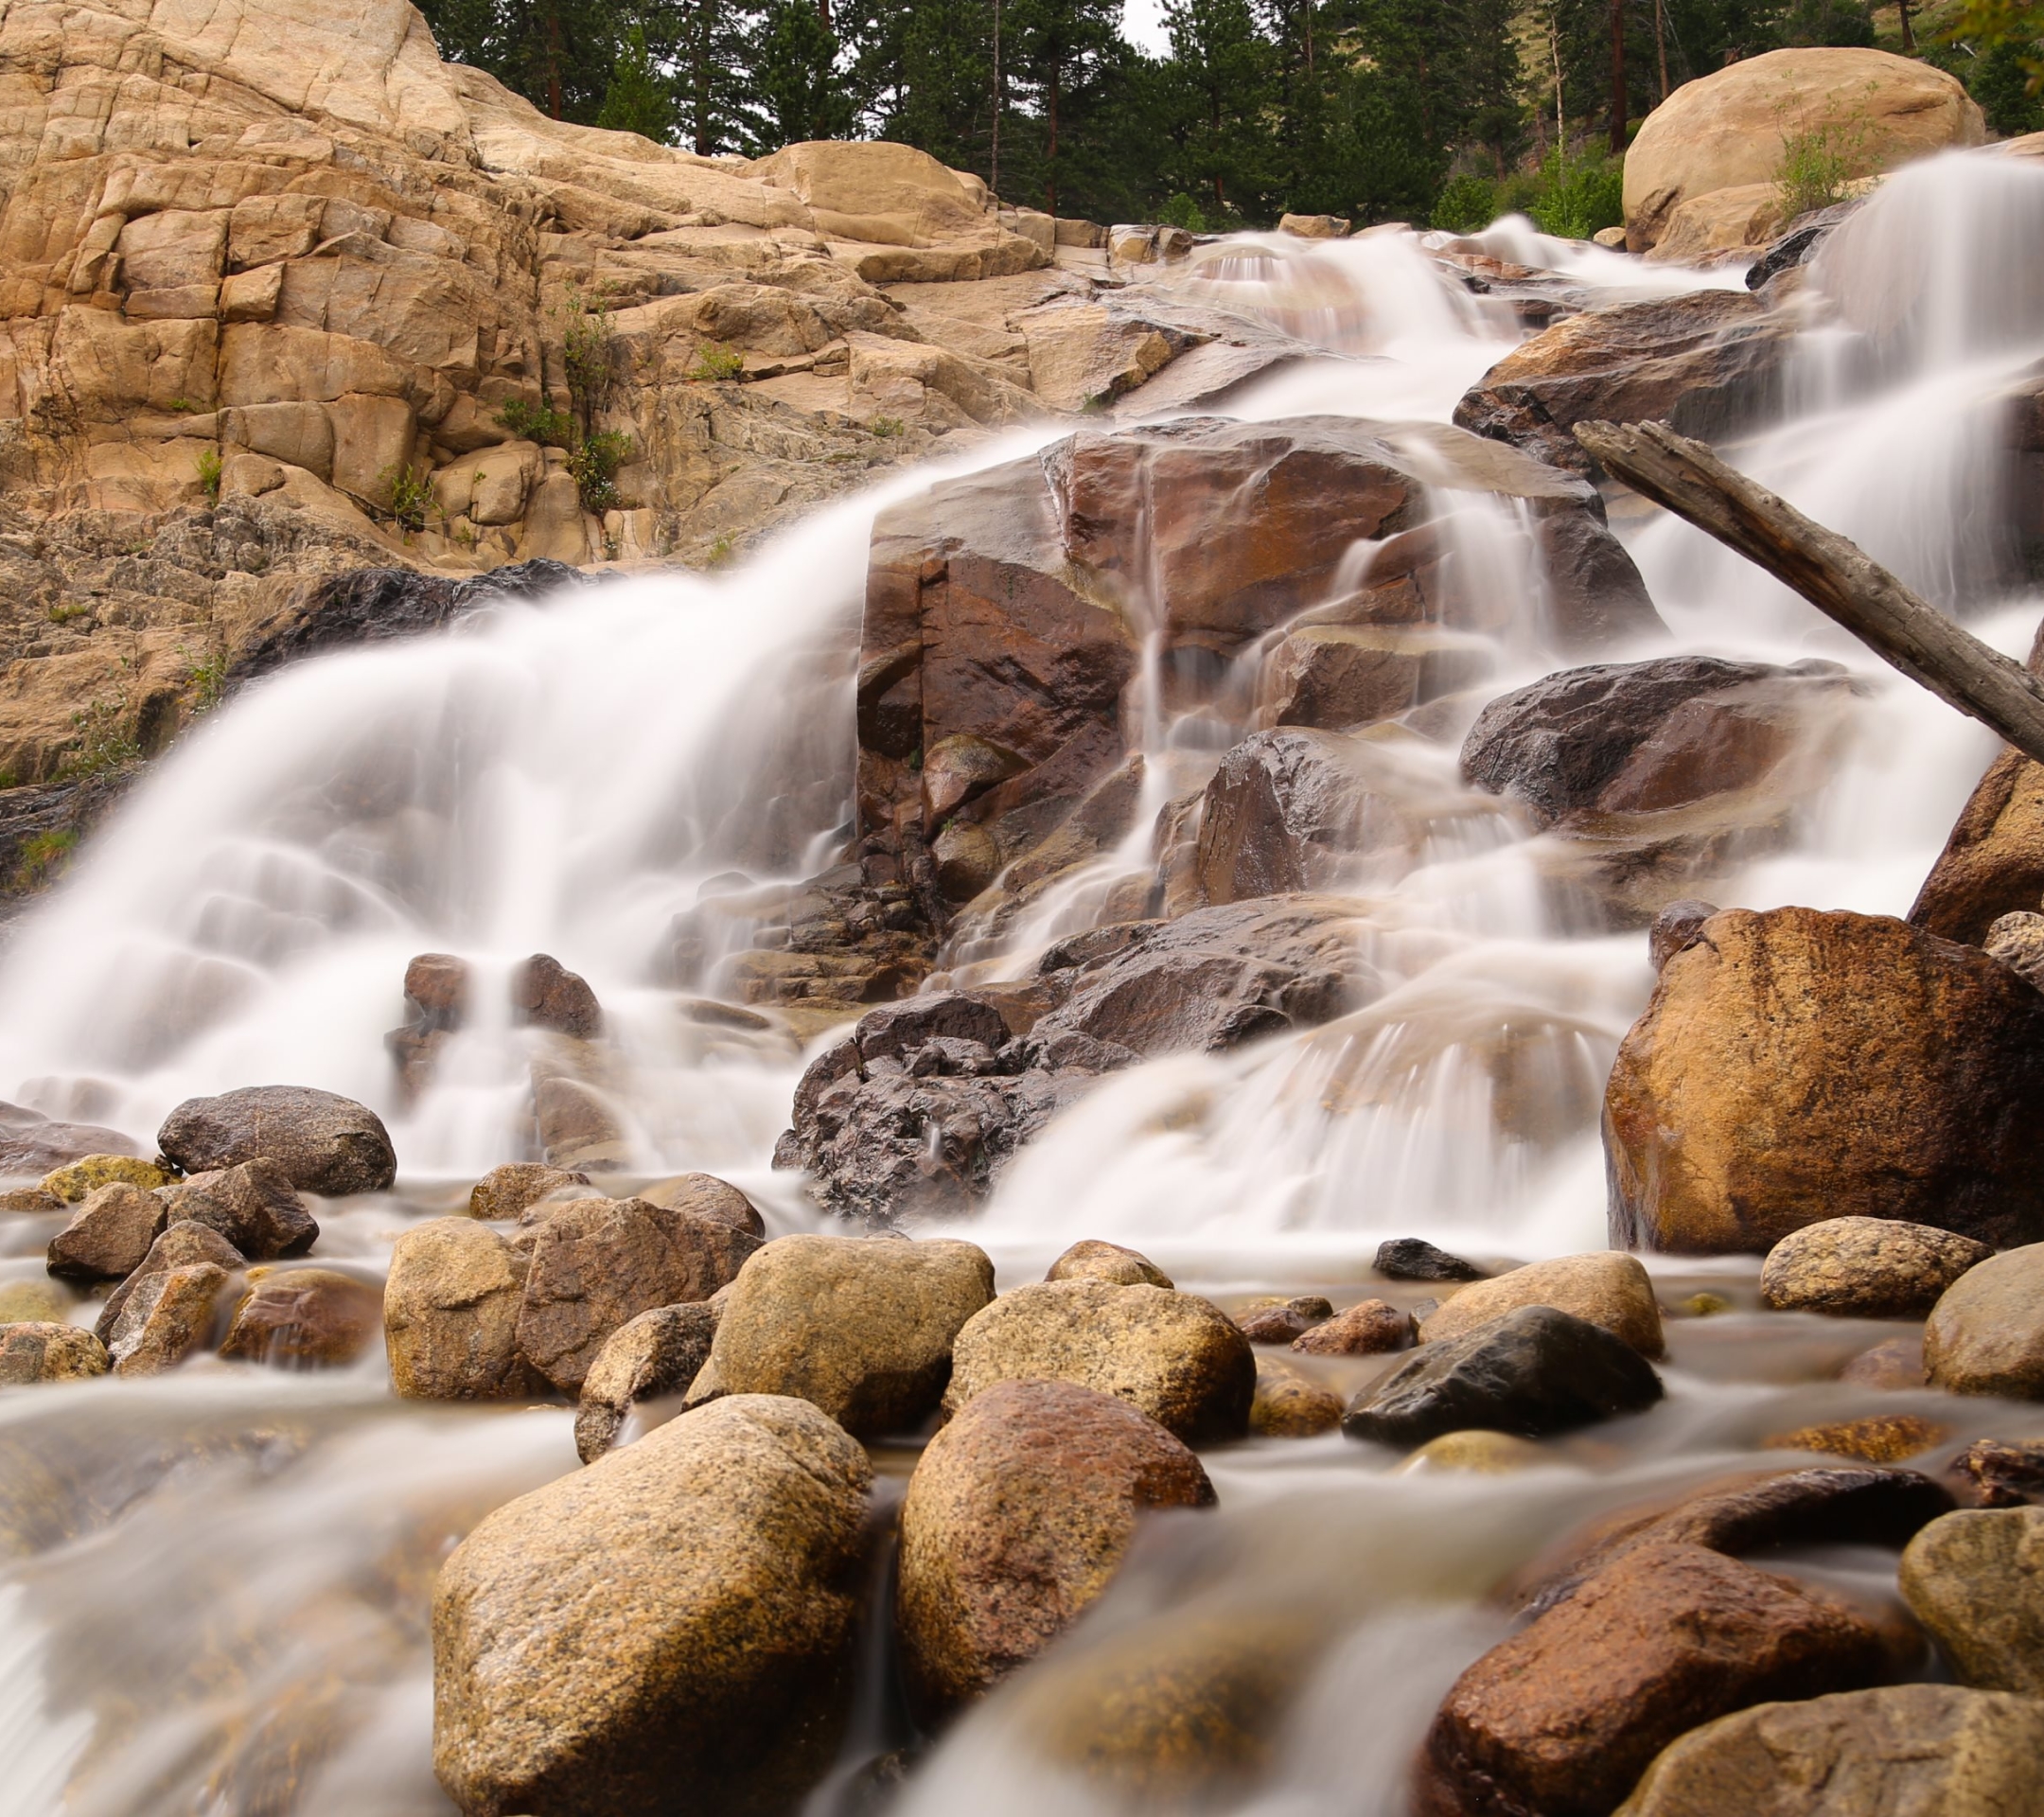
(1142, 25)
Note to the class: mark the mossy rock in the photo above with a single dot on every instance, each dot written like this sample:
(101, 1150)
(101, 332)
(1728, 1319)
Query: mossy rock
(81, 1178)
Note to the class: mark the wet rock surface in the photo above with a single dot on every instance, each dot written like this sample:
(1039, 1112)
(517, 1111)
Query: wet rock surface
(647, 1358)
(505, 1192)
(1985, 1334)
(1368, 1327)
(1610, 1291)
(1866, 1267)
(1289, 1404)
(34, 1350)
(324, 1143)
(1975, 1578)
(303, 1318)
(1415, 1258)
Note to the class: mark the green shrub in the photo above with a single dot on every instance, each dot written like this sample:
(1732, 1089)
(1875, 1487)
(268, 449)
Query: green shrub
(66, 610)
(104, 741)
(536, 423)
(1466, 204)
(715, 364)
(588, 340)
(42, 857)
(207, 681)
(209, 473)
(593, 465)
(1579, 196)
(410, 497)
(887, 428)
(1182, 211)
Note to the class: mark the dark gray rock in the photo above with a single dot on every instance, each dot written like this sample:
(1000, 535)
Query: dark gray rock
(253, 1206)
(1415, 1258)
(1677, 926)
(324, 1143)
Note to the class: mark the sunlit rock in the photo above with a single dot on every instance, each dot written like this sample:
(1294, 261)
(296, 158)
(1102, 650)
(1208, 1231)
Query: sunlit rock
(1973, 1579)
(1866, 1267)
(1985, 1334)
(450, 1313)
(1610, 1291)
(1090, 1259)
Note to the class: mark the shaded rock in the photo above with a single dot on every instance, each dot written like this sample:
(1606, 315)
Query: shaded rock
(1337, 676)
(2000, 1475)
(674, 1615)
(170, 1316)
(84, 1177)
(1993, 860)
(1975, 1579)
(597, 1262)
(1289, 1404)
(704, 1195)
(35, 1350)
(253, 1206)
(505, 1192)
(1532, 1371)
(863, 1329)
(303, 1318)
(322, 1143)
(1415, 1258)
(1018, 1514)
(1278, 1321)
(1880, 1439)
(1854, 1754)
(1866, 1267)
(36, 1146)
(656, 1355)
(1985, 1335)
(1893, 1363)
(1784, 1008)
(1610, 1291)
(1676, 929)
(1368, 1327)
(1566, 1715)
(1173, 1355)
(450, 1313)
(545, 995)
(1090, 1259)
(180, 1246)
(109, 1236)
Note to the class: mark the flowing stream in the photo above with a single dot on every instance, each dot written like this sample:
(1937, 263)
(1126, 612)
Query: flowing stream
(213, 1584)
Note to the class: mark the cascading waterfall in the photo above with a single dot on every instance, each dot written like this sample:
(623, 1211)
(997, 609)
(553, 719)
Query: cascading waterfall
(570, 777)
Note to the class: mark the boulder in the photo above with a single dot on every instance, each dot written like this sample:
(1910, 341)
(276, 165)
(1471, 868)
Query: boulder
(1092, 1259)
(1018, 1514)
(863, 1329)
(545, 995)
(1610, 1291)
(505, 1192)
(1415, 1258)
(1993, 860)
(649, 1358)
(1278, 1321)
(110, 1235)
(1866, 1267)
(1531, 1373)
(1975, 1579)
(180, 1246)
(1369, 1328)
(1289, 1404)
(303, 1318)
(1566, 1715)
(704, 1195)
(1730, 128)
(253, 1206)
(41, 1351)
(674, 1615)
(1854, 1754)
(597, 1262)
(1084, 354)
(1743, 1105)
(1340, 677)
(31, 1146)
(82, 1179)
(324, 1143)
(170, 1316)
(1994, 1475)
(1985, 1334)
(450, 1313)
(1173, 1355)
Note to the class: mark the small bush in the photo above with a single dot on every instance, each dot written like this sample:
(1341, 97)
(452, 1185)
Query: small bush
(410, 497)
(42, 859)
(1819, 163)
(1579, 196)
(713, 365)
(588, 341)
(536, 423)
(66, 611)
(209, 473)
(1466, 204)
(720, 552)
(104, 742)
(207, 681)
(1182, 211)
(593, 465)
(887, 428)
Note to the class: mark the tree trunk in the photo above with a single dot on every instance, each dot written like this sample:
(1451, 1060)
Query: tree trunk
(700, 71)
(552, 61)
(1051, 145)
(1908, 36)
(994, 158)
(1660, 42)
(1619, 106)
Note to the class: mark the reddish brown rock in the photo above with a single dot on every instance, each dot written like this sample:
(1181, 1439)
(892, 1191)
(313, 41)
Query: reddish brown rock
(1278, 1321)
(180, 1246)
(109, 1236)
(649, 1358)
(505, 1192)
(1092, 1259)
(322, 1143)
(1368, 1327)
(546, 995)
(1893, 1363)
(253, 1206)
(1993, 861)
(303, 1318)
(1018, 1514)
(436, 987)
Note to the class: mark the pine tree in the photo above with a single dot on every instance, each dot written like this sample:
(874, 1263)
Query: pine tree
(796, 91)
(1062, 50)
(1219, 93)
(639, 98)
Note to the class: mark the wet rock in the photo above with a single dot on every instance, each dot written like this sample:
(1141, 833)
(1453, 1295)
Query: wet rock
(1368, 1327)
(34, 1302)
(31, 1145)
(1018, 1514)
(1415, 1258)
(1676, 929)
(450, 1313)
(436, 986)
(1782, 1007)
(1479, 1451)
(322, 1143)
(1993, 862)
(1567, 1714)
(30, 1201)
(1854, 1754)
(250, 1205)
(656, 1355)
(169, 1316)
(597, 1262)
(82, 1178)
(1893, 1363)
(1975, 1579)
(674, 1615)
(180, 1246)
(545, 995)
(2000, 1475)
(1985, 1335)
(968, 859)
(1289, 1404)
(1278, 1321)
(303, 1318)
(35, 1350)
(109, 1236)
(704, 1195)
(1610, 1291)
(1340, 677)
(1866, 1267)
(1173, 1355)
(1880, 1439)
(1092, 1259)
(505, 1192)
(1532, 1371)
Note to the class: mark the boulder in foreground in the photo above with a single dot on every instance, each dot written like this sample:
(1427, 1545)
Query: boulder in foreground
(325, 1143)
(1985, 1335)
(1975, 1579)
(1611, 1291)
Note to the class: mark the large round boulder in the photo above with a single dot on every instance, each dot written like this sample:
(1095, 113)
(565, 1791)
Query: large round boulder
(1975, 1579)
(668, 1623)
(1985, 1334)
(451, 1312)
(1610, 1290)
(325, 1143)
(860, 1327)
(1795, 1064)
(1866, 1267)
(1178, 1358)
(1018, 1514)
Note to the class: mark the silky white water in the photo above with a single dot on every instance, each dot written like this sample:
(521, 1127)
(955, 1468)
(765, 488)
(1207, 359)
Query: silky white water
(568, 777)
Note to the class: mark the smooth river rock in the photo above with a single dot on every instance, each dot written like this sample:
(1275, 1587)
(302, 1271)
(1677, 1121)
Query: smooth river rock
(664, 1630)
(1866, 1267)
(1368, 1327)
(325, 1143)
(1975, 1579)
(1290, 1403)
(46, 1351)
(505, 1192)
(303, 1318)
(657, 1353)
(180, 1246)
(1985, 1334)
(450, 1313)
(1090, 1259)
(1610, 1291)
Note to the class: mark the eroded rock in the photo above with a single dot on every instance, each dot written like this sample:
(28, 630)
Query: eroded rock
(303, 1318)
(450, 1313)
(110, 1235)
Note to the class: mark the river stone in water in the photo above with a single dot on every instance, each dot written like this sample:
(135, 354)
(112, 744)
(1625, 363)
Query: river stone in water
(450, 1311)
(1794, 1065)
(303, 1318)
(657, 1353)
(504, 1192)
(170, 1316)
(110, 1235)
(1290, 1403)
(597, 1262)
(325, 1143)
(1866, 1267)
(1092, 1259)
(1173, 1356)
(665, 1626)
(1278, 1321)
(1533, 1371)
(250, 1205)
(82, 1179)
(34, 1302)
(43, 1350)
(707, 1196)
(1565, 1715)
(1018, 1514)
(1976, 1581)
(860, 1327)
(180, 1246)
(1900, 1748)
(1369, 1328)
(1415, 1258)
(1985, 1335)
(1610, 1291)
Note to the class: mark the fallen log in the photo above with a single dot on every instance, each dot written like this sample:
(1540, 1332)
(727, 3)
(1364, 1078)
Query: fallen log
(1833, 573)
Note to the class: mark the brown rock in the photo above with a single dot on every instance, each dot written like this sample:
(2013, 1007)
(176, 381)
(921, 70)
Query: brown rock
(33, 1145)
(1881, 1438)
(1787, 1008)
(1566, 1715)
(1479, 1451)
(1676, 929)
(1610, 1291)
(169, 1316)
(436, 986)
(1278, 1321)
(1289, 1404)
(450, 1313)
(1866, 1267)
(1018, 1514)
(2000, 1475)
(253, 1206)
(655, 1355)
(2017, 942)
(40, 1351)
(597, 1262)
(1090, 1259)
(706, 1196)
(1993, 861)
(505, 1192)
(1339, 677)
(180, 1246)
(322, 1143)
(109, 1236)
(303, 1318)
(545, 995)
(1976, 1581)
(1985, 1335)
(1368, 1327)
(1893, 1363)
